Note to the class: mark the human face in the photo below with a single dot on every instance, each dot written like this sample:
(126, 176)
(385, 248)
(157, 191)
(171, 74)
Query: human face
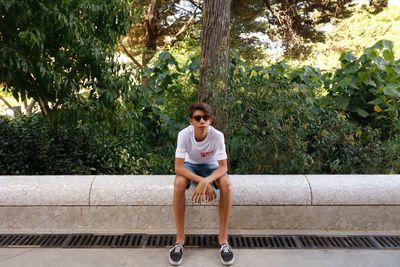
(200, 120)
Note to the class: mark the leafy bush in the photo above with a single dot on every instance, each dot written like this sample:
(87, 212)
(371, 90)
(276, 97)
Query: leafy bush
(29, 146)
(35, 145)
(277, 126)
(282, 121)
(368, 87)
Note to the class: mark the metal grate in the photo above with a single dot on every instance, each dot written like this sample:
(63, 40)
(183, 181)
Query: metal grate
(79, 241)
(202, 241)
(199, 241)
(159, 241)
(388, 241)
(104, 241)
(271, 242)
(356, 242)
(52, 241)
(129, 241)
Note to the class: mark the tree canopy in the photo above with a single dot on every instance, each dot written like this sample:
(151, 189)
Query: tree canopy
(162, 24)
(50, 50)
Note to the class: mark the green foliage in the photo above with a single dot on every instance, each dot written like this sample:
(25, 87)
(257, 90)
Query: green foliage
(263, 115)
(278, 126)
(161, 98)
(336, 145)
(281, 121)
(29, 147)
(368, 87)
(50, 50)
(41, 145)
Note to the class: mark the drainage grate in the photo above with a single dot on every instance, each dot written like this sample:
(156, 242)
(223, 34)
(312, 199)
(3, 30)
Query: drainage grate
(282, 242)
(24, 241)
(129, 241)
(52, 241)
(388, 241)
(202, 241)
(199, 241)
(159, 241)
(79, 241)
(356, 242)
(104, 241)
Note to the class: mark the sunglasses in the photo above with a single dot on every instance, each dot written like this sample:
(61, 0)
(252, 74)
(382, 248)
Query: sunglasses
(198, 118)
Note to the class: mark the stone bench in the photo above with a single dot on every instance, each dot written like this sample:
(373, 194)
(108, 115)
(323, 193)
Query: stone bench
(126, 203)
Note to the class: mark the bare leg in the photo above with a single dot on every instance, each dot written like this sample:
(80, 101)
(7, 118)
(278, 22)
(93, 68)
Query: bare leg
(179, 207)
(225, 204)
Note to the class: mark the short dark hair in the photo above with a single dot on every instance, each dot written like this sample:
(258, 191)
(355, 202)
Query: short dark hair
(200, 106)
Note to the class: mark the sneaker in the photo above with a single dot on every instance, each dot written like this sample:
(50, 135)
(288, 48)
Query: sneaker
(226, 254)
(176, 254)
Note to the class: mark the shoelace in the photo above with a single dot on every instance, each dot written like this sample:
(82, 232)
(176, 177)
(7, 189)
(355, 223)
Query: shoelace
(178, 248)
(226, 248)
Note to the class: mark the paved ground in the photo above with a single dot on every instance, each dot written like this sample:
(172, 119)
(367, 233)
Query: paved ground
(38, 257)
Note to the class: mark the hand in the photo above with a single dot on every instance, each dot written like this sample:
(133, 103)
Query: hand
(199, 193)
(210, 193)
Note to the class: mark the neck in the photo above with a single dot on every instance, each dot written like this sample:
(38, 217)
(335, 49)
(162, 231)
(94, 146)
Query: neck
(200, 134)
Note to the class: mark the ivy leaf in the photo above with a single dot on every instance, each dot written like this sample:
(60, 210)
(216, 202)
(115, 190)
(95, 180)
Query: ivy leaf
(387, 44)
(342, 102)
(347, 57)
(388, 55)
(381, 63)
(371, 53)
(351, 68)
(392, 91)
(397, 69)
(376, 101)
(362, 112)
(365, 78)
(345, 82)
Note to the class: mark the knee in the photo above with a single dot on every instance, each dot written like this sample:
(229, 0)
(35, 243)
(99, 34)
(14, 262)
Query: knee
(180, 183)
(225, 184)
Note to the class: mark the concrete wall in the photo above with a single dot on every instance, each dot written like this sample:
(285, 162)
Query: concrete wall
(97, 203)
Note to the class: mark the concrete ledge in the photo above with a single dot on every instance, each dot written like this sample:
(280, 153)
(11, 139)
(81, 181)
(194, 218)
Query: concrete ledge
(355, 189)
(158, 189)
(95, 203)
(45, 190)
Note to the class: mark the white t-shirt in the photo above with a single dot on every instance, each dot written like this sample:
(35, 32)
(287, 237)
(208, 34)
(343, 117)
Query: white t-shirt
(210, 150)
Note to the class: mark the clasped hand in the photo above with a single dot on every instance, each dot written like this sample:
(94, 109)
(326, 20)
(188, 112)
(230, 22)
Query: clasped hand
(203, 191)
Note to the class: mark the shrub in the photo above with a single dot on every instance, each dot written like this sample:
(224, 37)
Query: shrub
(37, 146)
(29, 146)
(279, 127)
(368, 87)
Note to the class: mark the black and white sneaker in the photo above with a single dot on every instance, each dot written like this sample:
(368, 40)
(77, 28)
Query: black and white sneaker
(176, 254)
(226, 254)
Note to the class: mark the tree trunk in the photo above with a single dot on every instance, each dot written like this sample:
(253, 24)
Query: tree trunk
(151, 30)
(214, 61)
(44, 106)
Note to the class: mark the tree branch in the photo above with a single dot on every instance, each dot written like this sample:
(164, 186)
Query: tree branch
(173, 39)
(9, 106)
(268, 5)
(197, 5)
(44, 107)
(131, 56)
(28, 108)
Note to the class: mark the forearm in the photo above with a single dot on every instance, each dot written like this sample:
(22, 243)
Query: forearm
(218, 173)
(182, 171)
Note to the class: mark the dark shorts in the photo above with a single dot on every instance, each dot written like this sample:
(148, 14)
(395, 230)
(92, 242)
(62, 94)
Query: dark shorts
(202, 170)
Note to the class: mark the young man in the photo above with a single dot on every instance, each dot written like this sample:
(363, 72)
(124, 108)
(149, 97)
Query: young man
(201, 160)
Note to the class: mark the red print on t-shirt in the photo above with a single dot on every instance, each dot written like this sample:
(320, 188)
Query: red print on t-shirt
(206, 154)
